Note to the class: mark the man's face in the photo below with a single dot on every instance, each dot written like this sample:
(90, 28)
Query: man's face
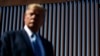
(34, 18)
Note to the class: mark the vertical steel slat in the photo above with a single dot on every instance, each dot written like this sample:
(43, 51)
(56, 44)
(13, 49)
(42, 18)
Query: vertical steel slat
(14, 19)
(96, 28)
(83, 29)
(50, 22)
(62, 31)
(19, 27)
(53, 31)
(70, 29)
(92, 27)
(79, 29)
(58, 31)
(66, 29)
(68, 25)
(18, 17)
(45, 22)
(22, 16)
(6, 19)
(10, 19)
(87, 30)
(75, 30)
(3, 20)
(54, 27)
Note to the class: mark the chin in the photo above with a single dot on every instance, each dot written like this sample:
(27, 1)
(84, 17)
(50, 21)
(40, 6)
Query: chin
(31, 25)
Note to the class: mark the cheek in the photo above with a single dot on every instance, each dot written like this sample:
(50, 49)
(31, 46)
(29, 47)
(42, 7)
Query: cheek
(26, 20)
(27, 17)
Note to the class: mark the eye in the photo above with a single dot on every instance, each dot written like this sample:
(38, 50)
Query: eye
(31, 14)
(34, 14)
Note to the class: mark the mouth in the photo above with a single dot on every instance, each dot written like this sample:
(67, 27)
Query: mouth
(32, 21)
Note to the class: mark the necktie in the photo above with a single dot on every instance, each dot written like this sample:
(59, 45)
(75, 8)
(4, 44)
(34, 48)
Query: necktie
(36, 48)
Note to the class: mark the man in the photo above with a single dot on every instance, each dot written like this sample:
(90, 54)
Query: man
(27, 42)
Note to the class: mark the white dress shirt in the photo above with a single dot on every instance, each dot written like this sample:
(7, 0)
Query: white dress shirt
(29, 32)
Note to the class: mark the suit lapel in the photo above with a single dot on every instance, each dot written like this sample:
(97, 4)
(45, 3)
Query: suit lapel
(27, 40)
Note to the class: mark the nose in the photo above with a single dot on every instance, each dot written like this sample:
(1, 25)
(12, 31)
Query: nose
(33, 16)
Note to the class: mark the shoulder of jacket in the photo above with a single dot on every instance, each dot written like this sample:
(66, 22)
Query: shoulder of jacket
(10, 33)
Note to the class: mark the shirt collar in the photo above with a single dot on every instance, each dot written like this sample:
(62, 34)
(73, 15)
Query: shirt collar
(29, 32)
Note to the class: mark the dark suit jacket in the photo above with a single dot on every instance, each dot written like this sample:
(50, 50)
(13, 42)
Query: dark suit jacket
(17, 43)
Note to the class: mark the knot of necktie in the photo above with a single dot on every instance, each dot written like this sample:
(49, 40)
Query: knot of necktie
(32, 35)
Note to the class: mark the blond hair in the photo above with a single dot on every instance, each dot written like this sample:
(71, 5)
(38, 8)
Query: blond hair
(35, 5)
